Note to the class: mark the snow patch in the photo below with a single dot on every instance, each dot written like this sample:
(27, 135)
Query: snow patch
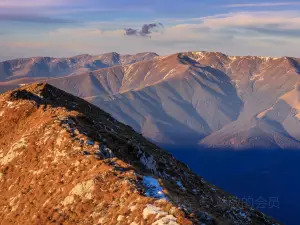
(153, 188)
(89, 142)
(243, 214)
(180, 185)
(200, 55)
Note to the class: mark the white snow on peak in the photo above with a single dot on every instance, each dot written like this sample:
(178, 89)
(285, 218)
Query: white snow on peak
(265, 58)
(232, 58)
(201, 54)
(268, 58)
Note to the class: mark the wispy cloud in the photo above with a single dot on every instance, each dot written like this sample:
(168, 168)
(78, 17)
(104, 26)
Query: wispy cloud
(271, 33)
(31, 3)
(146, 30)
(263, 4)
(35, 11)
(26, 18)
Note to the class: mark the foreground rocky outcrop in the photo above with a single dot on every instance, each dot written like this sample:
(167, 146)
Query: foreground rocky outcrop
(65, 161)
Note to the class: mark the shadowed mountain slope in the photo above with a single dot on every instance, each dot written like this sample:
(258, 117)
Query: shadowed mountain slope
(275, 127)
(186, 97)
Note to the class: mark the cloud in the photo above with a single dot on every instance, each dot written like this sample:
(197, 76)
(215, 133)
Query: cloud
(131, 32)
(28, 44)
(264, 4)
(284, 20)
(34, 11)
(275, 31)
(31, 3)
(145, 31)
(242, 33)
(34, 19)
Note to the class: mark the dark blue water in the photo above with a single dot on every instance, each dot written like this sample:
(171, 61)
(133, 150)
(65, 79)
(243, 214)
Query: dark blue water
(267, 179)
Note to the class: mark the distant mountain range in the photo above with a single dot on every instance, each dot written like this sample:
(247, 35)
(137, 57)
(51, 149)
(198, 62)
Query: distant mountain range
(55, 67)
(197, 98)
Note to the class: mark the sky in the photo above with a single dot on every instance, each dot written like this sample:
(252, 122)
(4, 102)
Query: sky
(62, 28)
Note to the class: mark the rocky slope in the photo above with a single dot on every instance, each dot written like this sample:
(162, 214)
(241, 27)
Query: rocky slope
(276, 127)
(162, 98)
(65, 161)
(191, 97)
(186, 97)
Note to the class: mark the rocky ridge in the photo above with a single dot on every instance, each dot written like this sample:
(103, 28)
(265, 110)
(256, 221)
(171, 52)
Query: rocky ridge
(47, 67)
(65, 161)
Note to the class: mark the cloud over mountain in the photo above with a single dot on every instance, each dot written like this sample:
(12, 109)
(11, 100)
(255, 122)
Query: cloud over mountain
(263, 4)
(145, 31)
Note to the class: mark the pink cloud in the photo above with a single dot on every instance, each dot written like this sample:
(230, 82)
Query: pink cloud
(32, 3)
(263, 4)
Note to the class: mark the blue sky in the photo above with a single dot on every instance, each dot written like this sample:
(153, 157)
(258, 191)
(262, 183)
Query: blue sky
(70, 27)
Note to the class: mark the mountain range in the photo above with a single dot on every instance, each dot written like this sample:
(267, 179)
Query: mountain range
(65, 161)
(206, 99)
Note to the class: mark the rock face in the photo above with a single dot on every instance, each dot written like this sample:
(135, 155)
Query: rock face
(275, 127)
(65, 161)
(193, 98)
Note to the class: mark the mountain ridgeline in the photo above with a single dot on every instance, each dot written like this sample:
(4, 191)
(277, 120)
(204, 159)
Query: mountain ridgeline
(65, 161)
(203, 99)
